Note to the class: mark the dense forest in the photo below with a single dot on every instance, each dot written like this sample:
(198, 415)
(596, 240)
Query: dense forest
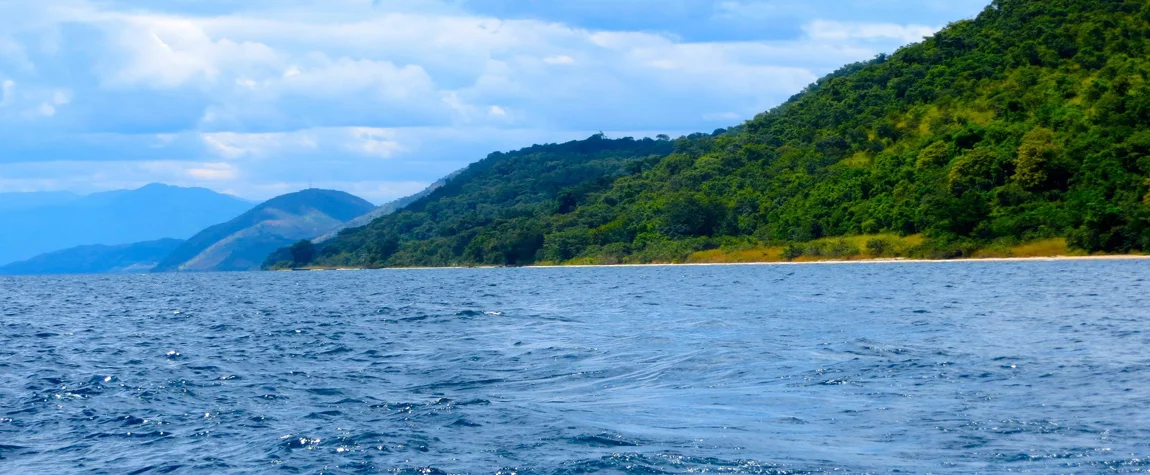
(492, 212)
(1026, 123)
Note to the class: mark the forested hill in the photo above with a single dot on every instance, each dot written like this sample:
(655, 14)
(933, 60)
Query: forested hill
(1027, 122)
(495, 210)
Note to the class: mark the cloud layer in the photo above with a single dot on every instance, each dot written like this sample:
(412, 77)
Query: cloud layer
(380, 97)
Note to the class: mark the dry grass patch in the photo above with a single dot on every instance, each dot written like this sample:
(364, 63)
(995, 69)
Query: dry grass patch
(739, 256)
(858, 160)
(1053, 247)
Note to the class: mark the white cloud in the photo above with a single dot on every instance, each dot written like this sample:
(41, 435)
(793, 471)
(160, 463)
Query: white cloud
(167, 52)
(235, 145)
(382, 69)
(58, 98)
(214, 172)
(729, 117)
(287, 69)
(259, 166)
(13, 54)
(751, 10)
(89, 176)
(272, 91)
(561, 59)
(375, 142)
(375, 191)
(839, 31)
(7, 91)
(31, 102)
(61, 97)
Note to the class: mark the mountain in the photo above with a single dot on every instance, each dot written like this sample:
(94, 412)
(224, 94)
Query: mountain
(1026, 123)
(96, 259)
(244, 242)
(386, 209)
(35, 223)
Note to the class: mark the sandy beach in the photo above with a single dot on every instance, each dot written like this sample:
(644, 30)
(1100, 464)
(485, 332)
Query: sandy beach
(874, 261)
(1131, 257)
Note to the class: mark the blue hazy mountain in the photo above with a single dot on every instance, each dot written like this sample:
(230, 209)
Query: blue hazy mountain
(36, 223)
(244, 242)
(97, 259)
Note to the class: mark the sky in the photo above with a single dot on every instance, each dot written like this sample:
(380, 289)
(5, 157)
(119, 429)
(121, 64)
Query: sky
(381, 97)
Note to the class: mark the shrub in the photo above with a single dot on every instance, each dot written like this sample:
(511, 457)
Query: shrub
(792, 252)
(842, 248)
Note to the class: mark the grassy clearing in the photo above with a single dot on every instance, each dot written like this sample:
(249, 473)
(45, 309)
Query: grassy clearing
(1053, 247)
(1041, 248)
(858, 160)
(737, 256)
(874, 246)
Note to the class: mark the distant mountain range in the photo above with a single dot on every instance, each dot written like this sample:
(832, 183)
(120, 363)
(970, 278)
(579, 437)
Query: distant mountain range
(244, 242)
(97, 259)
(35, 223)
(244, 239)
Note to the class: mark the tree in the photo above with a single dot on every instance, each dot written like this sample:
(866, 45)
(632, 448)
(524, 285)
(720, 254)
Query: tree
(1036, 151)
(686, 214)
(935, 155)
(972, 170)
(302, 253)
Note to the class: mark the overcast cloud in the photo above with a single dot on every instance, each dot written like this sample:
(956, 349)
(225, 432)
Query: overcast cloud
(381, 97)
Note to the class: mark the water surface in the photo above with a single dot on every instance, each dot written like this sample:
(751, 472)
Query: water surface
(939, 368)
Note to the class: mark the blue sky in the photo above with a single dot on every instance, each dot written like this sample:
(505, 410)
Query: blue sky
(381, 97)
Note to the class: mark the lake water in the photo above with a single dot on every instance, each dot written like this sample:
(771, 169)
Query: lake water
(942, 368)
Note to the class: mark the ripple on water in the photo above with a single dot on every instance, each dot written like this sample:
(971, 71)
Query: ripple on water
(962, 368)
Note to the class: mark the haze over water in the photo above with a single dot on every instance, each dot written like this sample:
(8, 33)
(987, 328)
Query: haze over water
(943, 368)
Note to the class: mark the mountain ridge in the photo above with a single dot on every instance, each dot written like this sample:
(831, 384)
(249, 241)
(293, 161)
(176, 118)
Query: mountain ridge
(96, 259)
(244, 242)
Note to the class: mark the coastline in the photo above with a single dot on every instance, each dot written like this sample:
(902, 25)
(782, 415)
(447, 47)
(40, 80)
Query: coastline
(1113, 257)
(1121, 257)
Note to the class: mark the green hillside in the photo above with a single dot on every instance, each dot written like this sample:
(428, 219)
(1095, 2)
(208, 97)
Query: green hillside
(385, 209)
(1024, 124)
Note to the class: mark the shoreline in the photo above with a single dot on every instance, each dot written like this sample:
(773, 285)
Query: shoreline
(870, 261)
(1125, 257)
